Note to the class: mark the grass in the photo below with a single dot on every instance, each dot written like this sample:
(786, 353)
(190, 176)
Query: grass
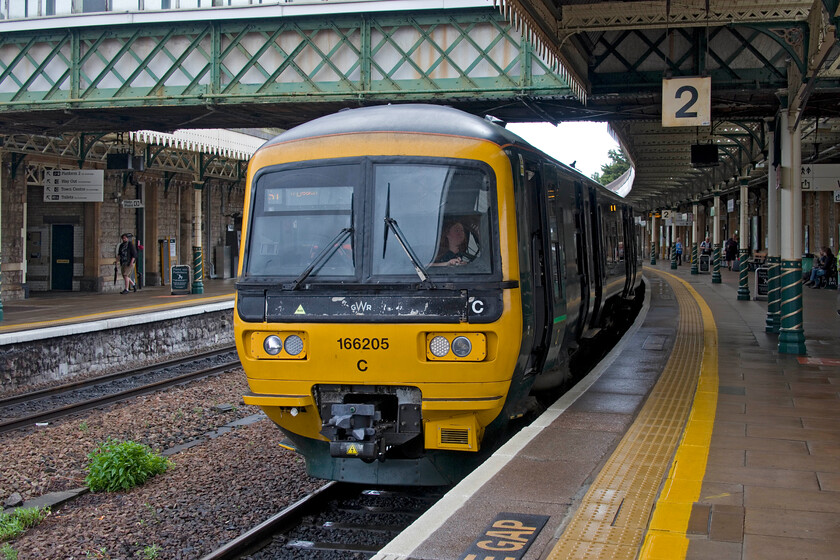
(15, 523)
(121, 465)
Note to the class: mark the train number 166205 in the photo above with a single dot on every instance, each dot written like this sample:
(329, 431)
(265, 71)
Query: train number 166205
(363, 343)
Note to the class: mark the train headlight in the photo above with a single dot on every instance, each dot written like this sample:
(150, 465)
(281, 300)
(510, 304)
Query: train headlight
(439, 346)
(294, 345)
(279, 345)
(273, 345)
(456, 347)
(461, 346)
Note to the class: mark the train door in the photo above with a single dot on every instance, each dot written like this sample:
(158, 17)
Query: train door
(582, 249)
(629, 249)
(556, 267)
(61, 258)
(541, 279)
(599, 259)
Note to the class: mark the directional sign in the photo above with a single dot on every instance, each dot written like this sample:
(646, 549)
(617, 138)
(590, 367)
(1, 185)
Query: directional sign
(687, 101)
(73, 185)
(820, 176)
(131, 203)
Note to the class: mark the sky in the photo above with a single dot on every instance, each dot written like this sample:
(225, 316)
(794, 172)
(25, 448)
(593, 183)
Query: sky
(586, 143)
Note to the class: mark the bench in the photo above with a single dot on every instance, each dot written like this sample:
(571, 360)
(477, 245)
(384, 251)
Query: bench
(757, 259)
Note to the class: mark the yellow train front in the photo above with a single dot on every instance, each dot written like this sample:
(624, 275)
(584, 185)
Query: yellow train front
(382, 318)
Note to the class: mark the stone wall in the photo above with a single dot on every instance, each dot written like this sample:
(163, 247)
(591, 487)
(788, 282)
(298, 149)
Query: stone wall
(63, 358)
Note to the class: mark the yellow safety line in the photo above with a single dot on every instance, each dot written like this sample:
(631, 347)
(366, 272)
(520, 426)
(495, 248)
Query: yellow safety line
(129, 310)
(613, 517)
(666, 537)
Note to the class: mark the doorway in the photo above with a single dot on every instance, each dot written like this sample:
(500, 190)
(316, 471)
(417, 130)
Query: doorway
(62, 258)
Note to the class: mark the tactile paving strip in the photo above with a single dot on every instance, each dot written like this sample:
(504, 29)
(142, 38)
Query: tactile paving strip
(613, 517)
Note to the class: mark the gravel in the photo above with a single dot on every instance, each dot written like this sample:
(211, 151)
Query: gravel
(212, 493)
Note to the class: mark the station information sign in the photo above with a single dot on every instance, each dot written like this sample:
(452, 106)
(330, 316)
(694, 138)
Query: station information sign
(74, 185)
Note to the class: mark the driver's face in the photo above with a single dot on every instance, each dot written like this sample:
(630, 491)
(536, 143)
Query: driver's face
(456, 233)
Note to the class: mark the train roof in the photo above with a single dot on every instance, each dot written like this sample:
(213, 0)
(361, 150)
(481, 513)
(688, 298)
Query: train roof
(428, 119)
(419, 118)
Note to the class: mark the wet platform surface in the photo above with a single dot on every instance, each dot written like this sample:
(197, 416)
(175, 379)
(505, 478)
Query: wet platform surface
(45, 310)
(768, 449)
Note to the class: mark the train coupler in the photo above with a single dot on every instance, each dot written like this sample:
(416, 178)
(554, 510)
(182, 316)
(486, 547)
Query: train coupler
(351, 431)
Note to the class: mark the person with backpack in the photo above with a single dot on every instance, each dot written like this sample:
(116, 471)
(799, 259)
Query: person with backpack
(127, 255)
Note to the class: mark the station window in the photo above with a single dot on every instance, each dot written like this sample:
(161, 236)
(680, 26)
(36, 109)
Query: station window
(94, 6)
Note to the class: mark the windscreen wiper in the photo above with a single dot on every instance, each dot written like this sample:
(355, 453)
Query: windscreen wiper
(418, 268)
(323, 256)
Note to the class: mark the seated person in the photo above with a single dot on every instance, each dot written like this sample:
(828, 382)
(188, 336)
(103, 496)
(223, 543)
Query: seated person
(823, 266)
(453, 246)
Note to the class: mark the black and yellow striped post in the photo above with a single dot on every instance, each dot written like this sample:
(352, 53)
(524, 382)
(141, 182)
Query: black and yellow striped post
(694, 269)
(653, 232)
(743, 275)
(198, 272)
(791, 333)
(774, 295)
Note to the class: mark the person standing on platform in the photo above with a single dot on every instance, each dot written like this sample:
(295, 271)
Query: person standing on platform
(678, 249)
(127, 255)
(730, 252)
(705, 247)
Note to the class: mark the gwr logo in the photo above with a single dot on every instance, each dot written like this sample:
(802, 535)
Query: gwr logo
(506, 538)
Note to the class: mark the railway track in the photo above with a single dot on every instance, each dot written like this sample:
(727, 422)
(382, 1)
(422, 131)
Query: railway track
(336, 521)
(28, 409)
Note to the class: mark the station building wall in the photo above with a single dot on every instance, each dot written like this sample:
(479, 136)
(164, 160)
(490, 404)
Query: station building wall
(29, 226)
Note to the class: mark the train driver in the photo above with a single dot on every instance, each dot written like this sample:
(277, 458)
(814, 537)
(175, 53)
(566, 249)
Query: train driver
(453, 246)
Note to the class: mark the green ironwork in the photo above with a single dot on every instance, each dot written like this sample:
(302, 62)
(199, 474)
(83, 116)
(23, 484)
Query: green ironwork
(743, 274)
(676, 50)
(198, 271)
(694, 269)
(94, 150)
(673, 256)
(716, 279)
(653, 253)
(791, 331)
(390, 56)
(774, 295)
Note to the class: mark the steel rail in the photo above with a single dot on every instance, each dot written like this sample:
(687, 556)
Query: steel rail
(84, 383)
(263, 532)
(112, 398)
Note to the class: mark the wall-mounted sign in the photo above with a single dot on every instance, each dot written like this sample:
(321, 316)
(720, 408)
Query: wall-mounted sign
(836, 196)
(131, 203)
(73, 185)
(687, 101)
(820, 176)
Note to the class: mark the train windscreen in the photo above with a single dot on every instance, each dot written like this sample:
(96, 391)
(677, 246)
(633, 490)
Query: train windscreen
(317, 221)
(298, 216)
(443, 212)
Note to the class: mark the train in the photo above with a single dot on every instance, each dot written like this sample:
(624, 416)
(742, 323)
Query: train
(412, 278)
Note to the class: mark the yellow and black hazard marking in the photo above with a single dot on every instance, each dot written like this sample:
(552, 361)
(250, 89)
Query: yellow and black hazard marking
(507, 537)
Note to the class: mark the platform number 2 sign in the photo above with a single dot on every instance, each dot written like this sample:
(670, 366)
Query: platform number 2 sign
(686, 101)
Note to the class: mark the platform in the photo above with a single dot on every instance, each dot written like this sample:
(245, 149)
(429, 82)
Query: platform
(694, 439)
(51, 309)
